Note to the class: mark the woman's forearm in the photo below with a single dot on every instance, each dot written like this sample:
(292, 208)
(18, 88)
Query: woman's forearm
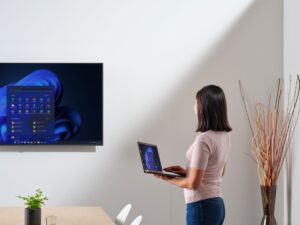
(182, 183)
(191, 182)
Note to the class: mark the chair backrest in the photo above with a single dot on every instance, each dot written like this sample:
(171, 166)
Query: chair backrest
(123, 214)
(137, 221)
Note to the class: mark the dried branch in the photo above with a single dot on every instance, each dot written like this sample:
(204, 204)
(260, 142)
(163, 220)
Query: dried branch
(245, 106)
(272, 136)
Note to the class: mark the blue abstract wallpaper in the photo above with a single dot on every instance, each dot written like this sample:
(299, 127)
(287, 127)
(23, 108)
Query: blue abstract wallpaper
(150, 157)
(51, 103)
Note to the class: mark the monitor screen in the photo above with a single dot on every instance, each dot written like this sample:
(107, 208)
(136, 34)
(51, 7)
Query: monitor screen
(51, 103)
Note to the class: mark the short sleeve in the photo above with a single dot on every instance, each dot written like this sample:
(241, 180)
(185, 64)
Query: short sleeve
(201, 152)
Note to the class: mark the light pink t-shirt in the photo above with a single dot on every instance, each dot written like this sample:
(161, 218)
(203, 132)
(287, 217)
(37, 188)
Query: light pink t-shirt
(208, 152)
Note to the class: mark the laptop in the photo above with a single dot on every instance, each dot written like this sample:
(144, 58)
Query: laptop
(151, 161)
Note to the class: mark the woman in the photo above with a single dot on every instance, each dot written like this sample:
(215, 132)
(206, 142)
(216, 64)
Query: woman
(207, 159)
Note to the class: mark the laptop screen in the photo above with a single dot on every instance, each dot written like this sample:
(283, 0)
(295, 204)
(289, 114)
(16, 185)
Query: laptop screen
(150, 157)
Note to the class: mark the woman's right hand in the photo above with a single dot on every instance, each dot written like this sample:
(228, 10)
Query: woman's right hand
(176, 169)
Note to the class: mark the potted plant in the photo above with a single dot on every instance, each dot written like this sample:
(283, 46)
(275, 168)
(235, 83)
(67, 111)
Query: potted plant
(33, 204)
(272, 127)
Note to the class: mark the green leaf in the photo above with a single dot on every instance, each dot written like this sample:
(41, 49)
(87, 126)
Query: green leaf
(34, 201)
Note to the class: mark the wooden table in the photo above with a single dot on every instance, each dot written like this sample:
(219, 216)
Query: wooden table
(65, 216)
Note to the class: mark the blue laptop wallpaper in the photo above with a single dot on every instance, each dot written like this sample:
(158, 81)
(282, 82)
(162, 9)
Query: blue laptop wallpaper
(150, 157)
(51, 103)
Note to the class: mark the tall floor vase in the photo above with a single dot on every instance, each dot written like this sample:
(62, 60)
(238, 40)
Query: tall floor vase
(268, 194)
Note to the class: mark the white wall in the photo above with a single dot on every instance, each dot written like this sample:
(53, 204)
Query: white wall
(156, 55)
(292, 68)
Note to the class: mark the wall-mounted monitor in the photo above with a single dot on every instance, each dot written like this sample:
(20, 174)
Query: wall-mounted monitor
(51, 103)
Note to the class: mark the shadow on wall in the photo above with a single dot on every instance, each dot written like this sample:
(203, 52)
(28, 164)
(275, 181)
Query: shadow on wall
(250, 51)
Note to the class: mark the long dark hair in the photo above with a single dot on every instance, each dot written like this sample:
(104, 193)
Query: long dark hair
(212, 109)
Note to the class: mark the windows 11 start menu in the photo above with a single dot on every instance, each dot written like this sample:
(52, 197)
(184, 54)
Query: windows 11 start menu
(30, 114)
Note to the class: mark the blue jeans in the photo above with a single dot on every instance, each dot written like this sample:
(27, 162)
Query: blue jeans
(206, 212)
